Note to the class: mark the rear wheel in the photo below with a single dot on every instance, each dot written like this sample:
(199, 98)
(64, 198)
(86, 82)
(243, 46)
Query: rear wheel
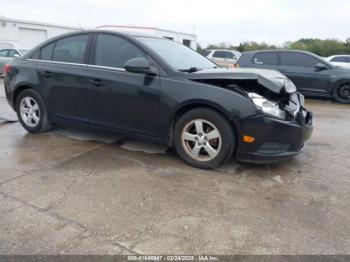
(204, 138)
(32, 112)
(341, 92)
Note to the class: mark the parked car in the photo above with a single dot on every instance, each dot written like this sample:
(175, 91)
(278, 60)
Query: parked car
(7, 54)
(311, 74)
(339, 60)
(223, 58)
(156, 89)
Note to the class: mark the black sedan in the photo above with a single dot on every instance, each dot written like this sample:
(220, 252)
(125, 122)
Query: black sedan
(156, 89)
(311, 74)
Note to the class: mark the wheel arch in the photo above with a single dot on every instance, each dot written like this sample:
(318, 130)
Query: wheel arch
(19, 88)
(182, 109)
(334, 92)
(338, 82)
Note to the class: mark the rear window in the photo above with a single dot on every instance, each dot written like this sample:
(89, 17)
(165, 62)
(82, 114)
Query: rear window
(71, 49)
(269, 58)
(341, 59)
(229, 55)
(219, 54)
(46, 52)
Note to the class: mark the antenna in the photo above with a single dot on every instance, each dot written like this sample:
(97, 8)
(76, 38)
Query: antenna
(81, 28)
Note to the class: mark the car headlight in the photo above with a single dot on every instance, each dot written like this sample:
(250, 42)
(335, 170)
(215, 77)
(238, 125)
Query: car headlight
(267, 107)
(289, 86)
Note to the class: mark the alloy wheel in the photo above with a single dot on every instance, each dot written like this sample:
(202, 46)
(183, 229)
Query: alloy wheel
(30, 111)
(344, 91)
(201, 140)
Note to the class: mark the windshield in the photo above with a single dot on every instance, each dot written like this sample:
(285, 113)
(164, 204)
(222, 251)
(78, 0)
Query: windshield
(177, 55)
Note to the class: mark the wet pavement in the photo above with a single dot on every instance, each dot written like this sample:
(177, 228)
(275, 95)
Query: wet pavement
(71, 191)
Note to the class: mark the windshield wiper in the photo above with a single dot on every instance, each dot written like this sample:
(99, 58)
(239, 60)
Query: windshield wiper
(191, 69)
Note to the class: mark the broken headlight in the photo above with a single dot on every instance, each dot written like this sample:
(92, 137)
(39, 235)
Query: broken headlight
(267, 107)
(289, 86)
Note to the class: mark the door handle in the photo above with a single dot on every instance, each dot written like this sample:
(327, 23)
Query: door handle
(46, 73)
(96, 82)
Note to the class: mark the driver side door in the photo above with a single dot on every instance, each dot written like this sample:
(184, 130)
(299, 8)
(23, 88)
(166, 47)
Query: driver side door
(121, 100)
(301, 69)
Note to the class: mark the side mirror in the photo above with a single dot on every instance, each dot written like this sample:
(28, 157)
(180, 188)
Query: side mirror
(16, 56)
(321, 67)
(140, 65)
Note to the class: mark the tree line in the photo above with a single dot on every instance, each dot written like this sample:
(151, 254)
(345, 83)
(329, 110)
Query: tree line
(320, 47)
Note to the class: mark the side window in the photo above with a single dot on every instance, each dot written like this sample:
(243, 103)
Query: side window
(298, 60)
(46, 52)
(71, 49)
(219, 54)
(269, 58)
(341, 59)
(229, 55)
(3, 53)
(114, 51)
(12, 53)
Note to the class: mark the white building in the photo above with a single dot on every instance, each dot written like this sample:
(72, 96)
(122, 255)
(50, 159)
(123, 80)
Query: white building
(23, 34)
(27, 34)
(189, 40)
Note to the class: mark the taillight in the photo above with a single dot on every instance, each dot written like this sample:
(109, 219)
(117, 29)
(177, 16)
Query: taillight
(7, 69)
(235, 65)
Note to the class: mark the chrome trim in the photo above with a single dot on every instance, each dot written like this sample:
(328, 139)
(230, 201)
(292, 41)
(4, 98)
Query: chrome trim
(107, 67)
(67, 63)
(55, 62)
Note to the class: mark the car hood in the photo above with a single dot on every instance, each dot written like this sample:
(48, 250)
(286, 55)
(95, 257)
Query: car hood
(270, 79)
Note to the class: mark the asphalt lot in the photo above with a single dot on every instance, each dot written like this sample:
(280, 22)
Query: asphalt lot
(76, 192)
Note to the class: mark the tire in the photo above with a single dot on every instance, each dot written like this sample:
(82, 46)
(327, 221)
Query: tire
(341, 92)
(32, 112)
(210, 146)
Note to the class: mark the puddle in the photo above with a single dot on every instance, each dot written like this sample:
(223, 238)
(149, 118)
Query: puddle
(146, 147)
(86, 135)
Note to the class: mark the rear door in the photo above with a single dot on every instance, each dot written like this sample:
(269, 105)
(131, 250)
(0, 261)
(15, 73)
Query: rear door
(118, 99)
(301, 69)
(219, 58)
(62, 72)
(265, 60)
(230, 58)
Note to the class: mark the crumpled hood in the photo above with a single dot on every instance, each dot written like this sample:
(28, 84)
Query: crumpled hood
(271, 79)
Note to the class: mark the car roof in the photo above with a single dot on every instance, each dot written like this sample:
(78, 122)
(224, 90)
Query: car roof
(229, 50)
(278, 51)
(121, 32)
(338, 56)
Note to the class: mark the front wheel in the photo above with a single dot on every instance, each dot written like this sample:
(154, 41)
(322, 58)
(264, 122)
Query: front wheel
(32, 112)
(341, 92)
(204, 138)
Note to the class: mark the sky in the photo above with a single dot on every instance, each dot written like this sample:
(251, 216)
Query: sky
(229, 21)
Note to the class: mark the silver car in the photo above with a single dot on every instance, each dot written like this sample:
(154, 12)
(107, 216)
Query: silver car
(223, 58)
(6, 55)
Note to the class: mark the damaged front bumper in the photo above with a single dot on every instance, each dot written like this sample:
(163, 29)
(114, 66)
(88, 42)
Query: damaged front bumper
(275, 140)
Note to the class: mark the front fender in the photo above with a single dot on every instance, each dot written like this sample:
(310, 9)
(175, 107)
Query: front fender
(181, 95)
